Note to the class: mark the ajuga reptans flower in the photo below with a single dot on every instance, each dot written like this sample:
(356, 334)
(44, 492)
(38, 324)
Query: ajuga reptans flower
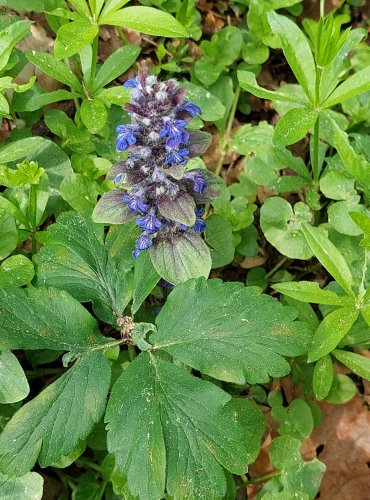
(154, 186)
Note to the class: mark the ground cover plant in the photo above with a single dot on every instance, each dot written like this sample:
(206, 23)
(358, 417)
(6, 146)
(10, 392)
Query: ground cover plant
(184, 239)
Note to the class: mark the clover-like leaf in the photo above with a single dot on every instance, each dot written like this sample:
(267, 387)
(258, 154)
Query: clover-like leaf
(74, 258)
(229, 331)
(53, 424)
(168, 429)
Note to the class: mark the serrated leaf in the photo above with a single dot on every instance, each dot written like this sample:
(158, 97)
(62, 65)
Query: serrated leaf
(53, 424)
(180, 258)
(322, 378)
(75, 259)
(27, 487)
(13, 382)
(310, 291)
(45, 319)
(329, 256)
(331, 331)
(170, 429)
(111, 209)
(230, 332)
(296, 50)
(146, 20)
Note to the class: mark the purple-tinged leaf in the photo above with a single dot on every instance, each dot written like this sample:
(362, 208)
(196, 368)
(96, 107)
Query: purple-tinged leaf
(181, 209)
(112, 209)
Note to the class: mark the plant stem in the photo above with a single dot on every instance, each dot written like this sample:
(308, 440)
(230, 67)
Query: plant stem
(131, 352)
(121, 35)
(94, 59)
(322, 8)
(275, 268)
(315, 159)
(264, 478)
(33, 214)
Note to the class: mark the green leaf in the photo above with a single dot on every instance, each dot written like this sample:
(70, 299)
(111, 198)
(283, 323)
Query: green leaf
(310, 291)
(146, 20)
(16, 150)
(298, 479)
(145, 279)
(9, 37)
(331, 331)
(112, 209)
(27, 487)
(180, 209)
(212, 108)
(296, 420)
(180, 258)
(79, 191)
(8, 234)
(294, 125)
(363, 222)
(219, 236)
(342, 390)
(13, 382)
(74, 258)
(94, 115)
(45, 319)
(202, 322)
(57, 70)
(116, 64)
(248, 82)
(282, 227)
(360, 365)
(16, 270)
(322, 377)
(72, 37)
(352, 86)
(328, 255)
(296, 50)
(54, 423)
(165, 426)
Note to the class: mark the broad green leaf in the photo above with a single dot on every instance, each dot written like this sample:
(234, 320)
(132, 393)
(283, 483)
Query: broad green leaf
(4, 107)
(282, 227)
(363, 222)
(13, 383)
(331, 331)
(298, 479)
(165, 426)
(219, 236)
(352, 86)
(113, 5)
(328, 255)
(8, 234)
(296, 420)
(72, 37)
(54, 423)
(145, 279)
(20, 149)
(146, 20)
(322, 378)
(342, 390)
(360, 365)
(294, 125)
(27, 487)
(116, 64)
(93, 114)
(45, 319)
(212, 108)
(75, 259)
(9, 37)
(16, 270)
(202, 323)
(54, 68)
(118, 95)
(79, 192)
(36, 98)
(248, 82)
(180, 258)
(310, 291)
(296, 50)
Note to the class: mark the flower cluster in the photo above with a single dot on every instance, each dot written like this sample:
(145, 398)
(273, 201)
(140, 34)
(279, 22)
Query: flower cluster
(165, 199)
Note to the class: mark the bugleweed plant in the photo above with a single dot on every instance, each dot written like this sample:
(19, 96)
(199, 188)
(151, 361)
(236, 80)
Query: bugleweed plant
(158, 280)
